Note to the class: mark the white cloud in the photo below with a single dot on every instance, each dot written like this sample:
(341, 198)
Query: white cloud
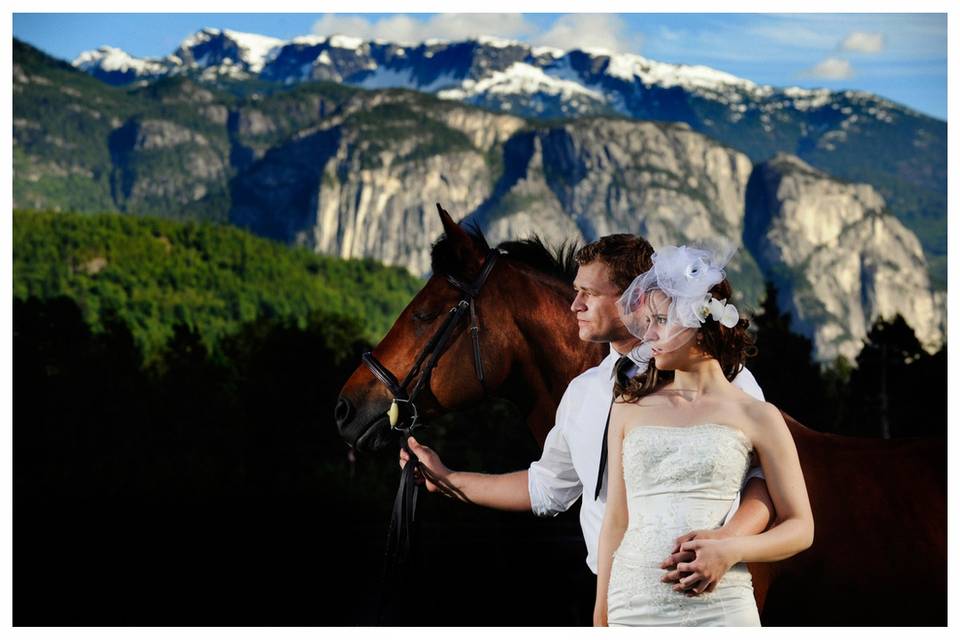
(591, 31)
(444, 26)
(830, 69)
(588, 31)
(863, 42)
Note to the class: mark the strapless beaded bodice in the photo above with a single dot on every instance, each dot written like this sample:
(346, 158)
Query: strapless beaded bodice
(677, 479)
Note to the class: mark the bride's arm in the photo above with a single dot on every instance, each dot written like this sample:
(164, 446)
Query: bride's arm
(793, 531)
(615, 516)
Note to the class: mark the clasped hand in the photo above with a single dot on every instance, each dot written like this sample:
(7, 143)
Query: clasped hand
(698, 561)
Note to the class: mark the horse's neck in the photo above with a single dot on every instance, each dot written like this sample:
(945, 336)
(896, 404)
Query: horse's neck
(552, 354)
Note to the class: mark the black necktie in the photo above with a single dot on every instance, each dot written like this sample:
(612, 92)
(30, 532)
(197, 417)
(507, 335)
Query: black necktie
(623, 365)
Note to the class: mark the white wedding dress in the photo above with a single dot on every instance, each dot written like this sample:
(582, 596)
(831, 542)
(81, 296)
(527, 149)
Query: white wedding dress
(678, 479)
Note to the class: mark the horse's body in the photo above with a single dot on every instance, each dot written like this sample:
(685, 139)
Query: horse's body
(879, 506)
(879, 555)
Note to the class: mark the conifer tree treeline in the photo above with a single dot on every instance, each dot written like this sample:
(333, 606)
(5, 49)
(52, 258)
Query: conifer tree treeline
(894, 389)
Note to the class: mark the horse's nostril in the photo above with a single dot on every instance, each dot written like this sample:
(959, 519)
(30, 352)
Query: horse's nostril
(343, 411)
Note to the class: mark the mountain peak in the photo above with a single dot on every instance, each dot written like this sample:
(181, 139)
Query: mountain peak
(113, 60)
(249, 49)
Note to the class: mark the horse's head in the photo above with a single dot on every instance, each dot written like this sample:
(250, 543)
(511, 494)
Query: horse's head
(436, 326)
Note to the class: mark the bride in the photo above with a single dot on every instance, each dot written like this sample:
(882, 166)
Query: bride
(681, 438)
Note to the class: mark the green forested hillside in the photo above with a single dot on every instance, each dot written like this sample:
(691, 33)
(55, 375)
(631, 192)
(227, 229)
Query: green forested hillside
(153, 273)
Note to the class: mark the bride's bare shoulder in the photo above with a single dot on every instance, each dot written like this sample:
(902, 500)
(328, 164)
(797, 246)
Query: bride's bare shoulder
(762, 416)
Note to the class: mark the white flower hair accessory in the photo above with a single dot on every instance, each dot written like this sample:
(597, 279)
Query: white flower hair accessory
(719, 310)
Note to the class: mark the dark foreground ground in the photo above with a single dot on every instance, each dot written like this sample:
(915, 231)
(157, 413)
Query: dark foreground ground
(252, 563)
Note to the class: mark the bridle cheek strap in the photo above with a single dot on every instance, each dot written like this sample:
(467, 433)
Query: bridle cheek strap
(437, 344)
(475, 335)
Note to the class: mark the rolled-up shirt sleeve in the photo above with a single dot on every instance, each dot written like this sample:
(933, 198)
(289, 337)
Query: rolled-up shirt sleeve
(552, 480)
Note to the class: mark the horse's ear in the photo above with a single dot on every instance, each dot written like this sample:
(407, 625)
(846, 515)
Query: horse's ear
(469, 249)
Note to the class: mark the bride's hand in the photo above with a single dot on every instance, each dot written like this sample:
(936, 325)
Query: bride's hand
(712, 559)
(677, 556)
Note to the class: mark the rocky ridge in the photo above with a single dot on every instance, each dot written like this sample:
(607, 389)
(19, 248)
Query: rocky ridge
(840, 260)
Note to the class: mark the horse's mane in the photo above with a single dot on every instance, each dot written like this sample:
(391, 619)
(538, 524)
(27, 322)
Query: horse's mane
(559, 262)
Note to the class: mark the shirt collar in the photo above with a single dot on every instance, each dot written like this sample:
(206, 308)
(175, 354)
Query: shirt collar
(610, 362)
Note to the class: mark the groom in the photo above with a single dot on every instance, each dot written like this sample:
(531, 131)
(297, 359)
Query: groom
(571, 463)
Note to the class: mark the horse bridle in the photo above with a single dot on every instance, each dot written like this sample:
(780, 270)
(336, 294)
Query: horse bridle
(400, 533)
(428, 357)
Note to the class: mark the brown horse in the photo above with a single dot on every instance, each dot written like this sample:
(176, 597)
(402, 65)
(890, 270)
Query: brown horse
(879, 557)
(527, 291)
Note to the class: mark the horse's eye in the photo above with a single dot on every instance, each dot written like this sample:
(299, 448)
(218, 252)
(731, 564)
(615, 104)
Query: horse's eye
(425, 316)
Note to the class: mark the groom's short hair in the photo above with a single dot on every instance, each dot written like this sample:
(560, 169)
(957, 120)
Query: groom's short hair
(625, 254)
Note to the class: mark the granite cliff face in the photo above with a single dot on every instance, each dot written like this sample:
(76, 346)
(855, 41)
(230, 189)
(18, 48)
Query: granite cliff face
(364, 182)
(592, 177)
(838, 258)
(360, 188)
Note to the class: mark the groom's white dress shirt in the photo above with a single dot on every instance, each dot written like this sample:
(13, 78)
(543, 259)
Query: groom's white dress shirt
(571, 453)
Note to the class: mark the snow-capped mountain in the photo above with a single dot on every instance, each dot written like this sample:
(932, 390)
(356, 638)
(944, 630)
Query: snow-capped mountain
(116, 66)
(486, 71)
(459, 69)
(215, 51)
(853, 135)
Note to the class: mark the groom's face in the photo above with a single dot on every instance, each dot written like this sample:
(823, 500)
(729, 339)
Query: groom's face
(596, 304)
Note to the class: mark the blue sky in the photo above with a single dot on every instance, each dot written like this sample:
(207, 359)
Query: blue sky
(899, 56)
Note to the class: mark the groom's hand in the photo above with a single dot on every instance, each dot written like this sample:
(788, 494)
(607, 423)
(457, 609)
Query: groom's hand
(713, 558)
(674, 575)
(432, 471)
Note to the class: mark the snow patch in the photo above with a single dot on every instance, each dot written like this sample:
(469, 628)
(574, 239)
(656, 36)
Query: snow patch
(310, 41)
(693, 77)
(387, 78)
(113, 59)
(806, 99)
(204, 35)
(346, 42)
(521, 78)
(255, 50)
(553, 52)
(499, 43)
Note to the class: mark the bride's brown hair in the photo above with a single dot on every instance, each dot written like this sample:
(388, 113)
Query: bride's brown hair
(730, 346)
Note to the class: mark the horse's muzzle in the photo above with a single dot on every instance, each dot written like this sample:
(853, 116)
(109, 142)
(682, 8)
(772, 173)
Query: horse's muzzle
(362, 430)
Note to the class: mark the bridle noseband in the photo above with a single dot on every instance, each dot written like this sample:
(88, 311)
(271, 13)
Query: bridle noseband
(435, 347)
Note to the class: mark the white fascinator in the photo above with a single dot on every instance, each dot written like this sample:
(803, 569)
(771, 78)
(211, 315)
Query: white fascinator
(666, 305)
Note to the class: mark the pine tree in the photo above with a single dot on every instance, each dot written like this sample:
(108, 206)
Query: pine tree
(896, 389)
(785, 369)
